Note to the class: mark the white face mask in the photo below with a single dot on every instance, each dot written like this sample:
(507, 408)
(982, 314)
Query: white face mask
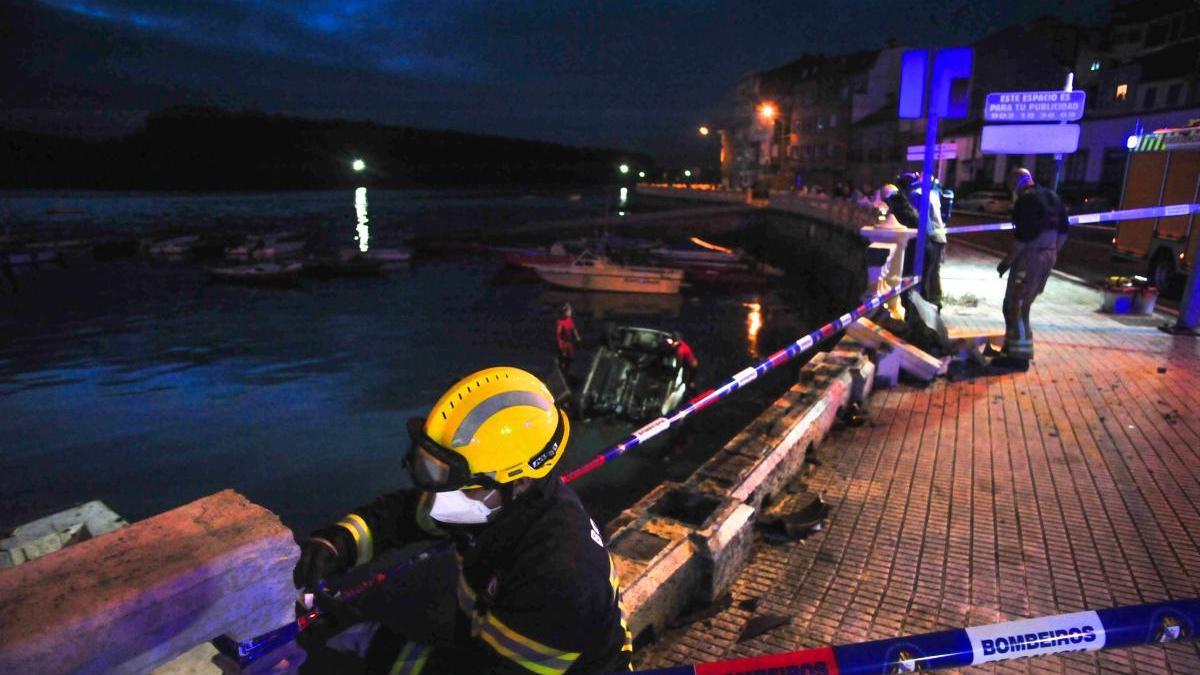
(456, 508)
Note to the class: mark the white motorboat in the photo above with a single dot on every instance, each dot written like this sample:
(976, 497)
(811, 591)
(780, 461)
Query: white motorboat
(175, 246)
(389, 256)
(268, 247)
(590, 272)
(264, 274)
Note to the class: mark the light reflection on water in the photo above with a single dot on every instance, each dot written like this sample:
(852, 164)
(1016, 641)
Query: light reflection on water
(363, 236)
(142, 384)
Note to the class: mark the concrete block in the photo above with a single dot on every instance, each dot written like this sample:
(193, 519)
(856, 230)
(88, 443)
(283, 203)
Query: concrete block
(51, 533)
(723, 547)
(912, 360)
(969, 344)
(655, 559)
(887, 367)
(140, 596)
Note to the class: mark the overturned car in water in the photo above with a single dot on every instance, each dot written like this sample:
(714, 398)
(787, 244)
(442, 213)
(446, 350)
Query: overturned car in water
(635, 375)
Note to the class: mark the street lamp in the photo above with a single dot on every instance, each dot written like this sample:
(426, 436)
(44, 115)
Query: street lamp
(358, 165)
(641, 174)
(703, 130)
(687, 173)
(767, 110)
(624, 168)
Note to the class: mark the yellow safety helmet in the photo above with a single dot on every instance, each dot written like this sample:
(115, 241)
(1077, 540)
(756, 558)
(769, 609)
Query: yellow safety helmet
(492, 427)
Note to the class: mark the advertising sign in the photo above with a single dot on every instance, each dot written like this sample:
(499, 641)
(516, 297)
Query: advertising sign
(1029, 139)
(1034, 106)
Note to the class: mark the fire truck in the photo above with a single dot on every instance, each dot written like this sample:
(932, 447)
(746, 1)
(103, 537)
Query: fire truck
(1163, 169)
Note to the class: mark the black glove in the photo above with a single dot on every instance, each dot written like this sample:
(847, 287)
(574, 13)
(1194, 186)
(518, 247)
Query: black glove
(1002, 267)
(319, 558)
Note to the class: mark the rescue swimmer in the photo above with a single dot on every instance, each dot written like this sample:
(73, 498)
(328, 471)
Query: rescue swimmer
(1040, 231)
(537, 590)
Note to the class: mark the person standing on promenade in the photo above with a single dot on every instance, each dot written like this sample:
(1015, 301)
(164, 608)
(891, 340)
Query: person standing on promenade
(935, 244)
(1040, 231)
(537, 590)
(566, 336)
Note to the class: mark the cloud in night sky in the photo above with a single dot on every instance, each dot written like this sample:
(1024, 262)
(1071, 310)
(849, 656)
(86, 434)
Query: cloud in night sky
(639, 75)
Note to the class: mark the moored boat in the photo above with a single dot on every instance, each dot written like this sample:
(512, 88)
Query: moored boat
(590, 272)
(348, 263)
(268, 247)
(389, 256)
(175, 246)
(260, 274)
(696, 251)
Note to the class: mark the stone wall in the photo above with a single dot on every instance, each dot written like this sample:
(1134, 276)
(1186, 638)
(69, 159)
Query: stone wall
(683, 544)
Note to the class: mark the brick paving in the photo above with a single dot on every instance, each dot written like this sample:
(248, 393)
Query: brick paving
(1073, 486)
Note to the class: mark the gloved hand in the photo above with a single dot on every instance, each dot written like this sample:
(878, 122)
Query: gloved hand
(1002, 267)
(318, 559)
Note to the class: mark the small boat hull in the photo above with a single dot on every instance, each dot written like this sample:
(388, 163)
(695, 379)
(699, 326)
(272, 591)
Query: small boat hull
(612, 278)
(263, 274)
(176, 246)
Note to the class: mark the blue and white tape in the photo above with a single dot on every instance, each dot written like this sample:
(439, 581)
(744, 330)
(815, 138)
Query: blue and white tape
(1091, 218)
(1112, 628)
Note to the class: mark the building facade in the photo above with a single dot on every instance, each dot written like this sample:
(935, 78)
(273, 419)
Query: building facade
(835, 118)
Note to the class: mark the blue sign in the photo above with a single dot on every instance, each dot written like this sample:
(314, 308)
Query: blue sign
(1034, 106)
(952, 81)
(913, 66)
(950, 89)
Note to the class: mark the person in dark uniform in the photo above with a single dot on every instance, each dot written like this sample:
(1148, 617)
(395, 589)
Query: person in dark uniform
(1040, 231)
(537, 589)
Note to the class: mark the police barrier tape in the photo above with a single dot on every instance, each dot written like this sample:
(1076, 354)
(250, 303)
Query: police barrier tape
(739, 380)
(1091, 218)
(248, 651)
(1112, 628)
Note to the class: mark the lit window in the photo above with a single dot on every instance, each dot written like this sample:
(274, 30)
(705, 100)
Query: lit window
(1122, 92)
(1095, 64)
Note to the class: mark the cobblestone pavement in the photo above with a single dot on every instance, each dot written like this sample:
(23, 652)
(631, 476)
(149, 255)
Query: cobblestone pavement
(1075, 485)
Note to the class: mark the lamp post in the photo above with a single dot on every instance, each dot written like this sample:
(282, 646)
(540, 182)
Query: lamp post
(358, 165)
(768, 112)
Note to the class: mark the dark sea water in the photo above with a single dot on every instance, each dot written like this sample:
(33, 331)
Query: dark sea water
(143, 384)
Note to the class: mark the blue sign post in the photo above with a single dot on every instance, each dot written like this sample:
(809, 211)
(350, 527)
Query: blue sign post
(935, 83)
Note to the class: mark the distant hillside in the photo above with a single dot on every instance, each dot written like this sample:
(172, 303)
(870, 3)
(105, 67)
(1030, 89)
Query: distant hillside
(212, 149)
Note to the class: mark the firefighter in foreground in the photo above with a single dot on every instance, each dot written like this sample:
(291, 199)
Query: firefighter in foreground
(537, 591)
(1040, 230)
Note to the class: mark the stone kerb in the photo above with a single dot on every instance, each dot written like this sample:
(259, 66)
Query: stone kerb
(684, 544)
(137, 597)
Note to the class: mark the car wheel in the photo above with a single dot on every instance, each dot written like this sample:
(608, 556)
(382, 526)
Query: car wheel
(1162, 273)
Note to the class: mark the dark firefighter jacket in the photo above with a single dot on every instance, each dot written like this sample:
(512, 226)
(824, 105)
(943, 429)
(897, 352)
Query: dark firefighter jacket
(1038, 209)
(537, 590)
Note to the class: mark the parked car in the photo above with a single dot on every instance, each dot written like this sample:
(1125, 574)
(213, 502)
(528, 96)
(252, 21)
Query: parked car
(992, 202)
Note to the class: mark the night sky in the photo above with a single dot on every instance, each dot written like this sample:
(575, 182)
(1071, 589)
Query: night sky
(633, 75)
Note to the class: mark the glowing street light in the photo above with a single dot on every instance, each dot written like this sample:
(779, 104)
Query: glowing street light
(641, 174)
(703, 130)
(767, 110)
(687, 173)
(358, 165)
(624, 168)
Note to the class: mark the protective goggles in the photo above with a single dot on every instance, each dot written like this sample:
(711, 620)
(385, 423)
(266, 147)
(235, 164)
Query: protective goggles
(436, 468)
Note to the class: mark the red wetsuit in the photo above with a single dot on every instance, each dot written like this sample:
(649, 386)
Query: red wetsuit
(564, 332)
(684, 353)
